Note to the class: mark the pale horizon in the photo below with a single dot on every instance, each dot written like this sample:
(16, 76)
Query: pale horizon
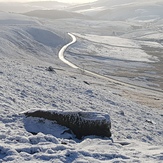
(65, 1)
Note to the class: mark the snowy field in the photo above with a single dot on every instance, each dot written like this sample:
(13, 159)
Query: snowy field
(121, 58)
(28, 47)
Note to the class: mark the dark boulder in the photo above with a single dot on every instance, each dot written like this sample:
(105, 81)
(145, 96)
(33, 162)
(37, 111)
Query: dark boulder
(51, 69)
(80, 123)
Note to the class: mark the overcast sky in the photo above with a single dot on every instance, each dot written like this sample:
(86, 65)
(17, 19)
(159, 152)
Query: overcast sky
(67, 1)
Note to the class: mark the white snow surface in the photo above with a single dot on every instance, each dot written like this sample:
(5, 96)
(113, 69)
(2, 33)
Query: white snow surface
(25, 83)
(120, 48)
(111, 40)
(139, 11)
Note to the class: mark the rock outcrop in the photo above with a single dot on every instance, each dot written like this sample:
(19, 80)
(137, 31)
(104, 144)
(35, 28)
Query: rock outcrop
(80, 123)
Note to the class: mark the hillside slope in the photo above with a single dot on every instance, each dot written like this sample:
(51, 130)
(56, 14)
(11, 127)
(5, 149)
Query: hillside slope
(55, 14)
(123, 10)
(30, 6)
(21, 36)
(27, 48)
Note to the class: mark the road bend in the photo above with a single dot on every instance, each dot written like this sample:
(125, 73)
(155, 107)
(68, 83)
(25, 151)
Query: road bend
(62, 58)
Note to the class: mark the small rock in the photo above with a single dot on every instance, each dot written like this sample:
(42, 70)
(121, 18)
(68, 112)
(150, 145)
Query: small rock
(150, 121)
(156, 99)
(122, 113)
(13, 99)
(51, 69)
(129, 137)
(64, 143)
(73, 77)
(86, 82)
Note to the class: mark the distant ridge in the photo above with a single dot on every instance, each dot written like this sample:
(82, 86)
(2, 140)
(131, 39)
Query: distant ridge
(55, 14)
(123, 10)
(45, 2)
(49, 4)
(31, 6)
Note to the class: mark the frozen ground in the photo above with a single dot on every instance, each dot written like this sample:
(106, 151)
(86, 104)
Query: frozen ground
(25, 83)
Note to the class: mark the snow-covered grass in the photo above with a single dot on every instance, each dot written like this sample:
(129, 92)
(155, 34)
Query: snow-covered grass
(138, 11)
(124, 59)
(31, 6)
(119, 48)
(25, 83)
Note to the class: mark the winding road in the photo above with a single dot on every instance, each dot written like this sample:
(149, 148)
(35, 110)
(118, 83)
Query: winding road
(62, 58)
(61, 52)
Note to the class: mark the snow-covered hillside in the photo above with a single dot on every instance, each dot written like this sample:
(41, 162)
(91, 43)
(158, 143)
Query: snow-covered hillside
(28, 47)
(55, 14)
(119, 58)
(22, 37)
(30, 6)
(123, 10)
